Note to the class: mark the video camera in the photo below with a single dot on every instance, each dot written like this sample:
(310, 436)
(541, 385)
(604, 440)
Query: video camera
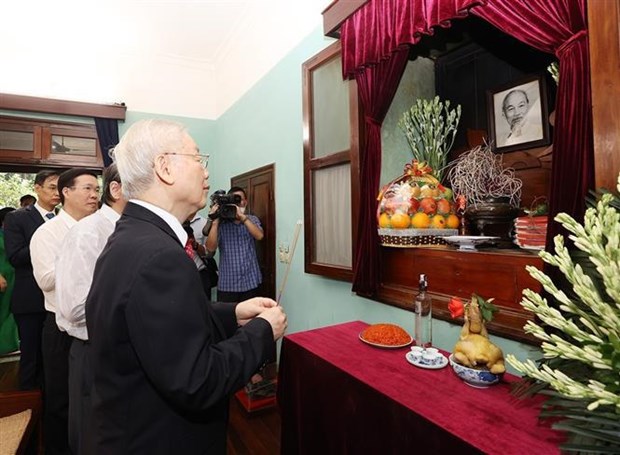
(227, 205)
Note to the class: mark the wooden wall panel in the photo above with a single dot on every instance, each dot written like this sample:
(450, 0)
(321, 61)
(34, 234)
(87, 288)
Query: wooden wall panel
(604, 35)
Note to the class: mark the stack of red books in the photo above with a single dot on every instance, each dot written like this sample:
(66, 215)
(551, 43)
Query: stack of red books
(531, 232)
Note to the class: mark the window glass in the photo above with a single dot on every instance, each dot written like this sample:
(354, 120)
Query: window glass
(332, 215)
(16, 140)
(67, 145)
(331, 120)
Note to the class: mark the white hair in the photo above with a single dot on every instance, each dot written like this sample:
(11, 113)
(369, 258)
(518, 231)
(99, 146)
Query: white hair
(135, 153)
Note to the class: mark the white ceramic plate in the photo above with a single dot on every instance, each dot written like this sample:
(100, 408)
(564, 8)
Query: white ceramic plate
(386, 346)
(413, 361)
(468, 242)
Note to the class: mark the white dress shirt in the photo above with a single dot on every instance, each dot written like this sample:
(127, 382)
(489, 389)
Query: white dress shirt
(168, 217)
(75, 267)
(44, 248)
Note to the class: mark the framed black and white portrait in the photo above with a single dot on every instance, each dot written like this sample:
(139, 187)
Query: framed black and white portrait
(518, 115)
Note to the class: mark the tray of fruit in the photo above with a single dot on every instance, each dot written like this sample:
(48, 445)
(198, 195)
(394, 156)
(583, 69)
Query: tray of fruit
(416, 210)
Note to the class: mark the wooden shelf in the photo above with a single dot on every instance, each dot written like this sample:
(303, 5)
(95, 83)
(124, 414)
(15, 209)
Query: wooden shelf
(490, 273)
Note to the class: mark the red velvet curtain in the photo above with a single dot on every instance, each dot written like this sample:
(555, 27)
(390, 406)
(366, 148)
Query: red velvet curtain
(372, 34)
(558, 27)
(377, 86)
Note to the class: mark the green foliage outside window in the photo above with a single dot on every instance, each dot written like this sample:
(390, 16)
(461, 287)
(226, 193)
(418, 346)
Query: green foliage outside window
(13, 186)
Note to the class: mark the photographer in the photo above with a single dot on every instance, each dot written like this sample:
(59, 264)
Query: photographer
(234, 233)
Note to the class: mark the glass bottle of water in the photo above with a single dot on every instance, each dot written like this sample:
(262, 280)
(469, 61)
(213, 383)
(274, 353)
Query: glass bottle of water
(423, 310)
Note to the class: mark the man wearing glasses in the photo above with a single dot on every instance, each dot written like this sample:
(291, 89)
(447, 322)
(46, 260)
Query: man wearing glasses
(79, 195)
(27, 299)
(164, 360)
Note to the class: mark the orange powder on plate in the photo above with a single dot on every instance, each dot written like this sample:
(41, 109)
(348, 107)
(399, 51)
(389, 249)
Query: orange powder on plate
(386, 334)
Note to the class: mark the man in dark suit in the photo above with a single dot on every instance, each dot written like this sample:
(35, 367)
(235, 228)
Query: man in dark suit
(164, 360)
(27, 298)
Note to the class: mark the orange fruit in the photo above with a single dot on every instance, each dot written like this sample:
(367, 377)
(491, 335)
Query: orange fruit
(400, 221)
(420, 220)
(443, 206)
(452, 221)
(384, 220)
(438, 222)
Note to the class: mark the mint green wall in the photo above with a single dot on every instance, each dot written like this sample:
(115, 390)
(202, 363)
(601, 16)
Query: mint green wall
(418, 81)
(265, 126)
(203, 131)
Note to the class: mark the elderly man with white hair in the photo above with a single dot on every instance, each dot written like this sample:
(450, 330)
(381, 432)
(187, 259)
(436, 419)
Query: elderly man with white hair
(164, 360)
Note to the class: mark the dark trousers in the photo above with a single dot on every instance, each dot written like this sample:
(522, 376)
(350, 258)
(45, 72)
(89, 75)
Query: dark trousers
(56, 345)
(225, 296)
(80, 382)
(30, 329)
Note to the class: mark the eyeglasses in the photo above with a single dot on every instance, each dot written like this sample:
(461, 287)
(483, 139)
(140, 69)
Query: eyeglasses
(87, 189)
(203, 159)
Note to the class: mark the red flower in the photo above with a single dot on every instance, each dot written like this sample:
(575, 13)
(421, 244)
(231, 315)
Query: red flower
(456, 307)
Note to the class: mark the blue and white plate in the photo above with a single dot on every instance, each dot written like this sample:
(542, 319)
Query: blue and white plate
(418, 361)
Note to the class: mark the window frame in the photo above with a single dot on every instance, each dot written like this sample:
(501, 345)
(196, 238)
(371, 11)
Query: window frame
(311, 164)
(43, 132)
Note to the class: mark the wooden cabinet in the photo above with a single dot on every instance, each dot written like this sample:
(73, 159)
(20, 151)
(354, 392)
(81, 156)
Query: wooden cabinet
(491, 273)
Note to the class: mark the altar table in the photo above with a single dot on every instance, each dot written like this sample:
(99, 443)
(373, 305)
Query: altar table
(338, 395)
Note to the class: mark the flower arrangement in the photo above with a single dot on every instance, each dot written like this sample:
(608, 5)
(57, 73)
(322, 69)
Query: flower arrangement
(479, 174)
(554, 70)
(580, 332)
(430, 127)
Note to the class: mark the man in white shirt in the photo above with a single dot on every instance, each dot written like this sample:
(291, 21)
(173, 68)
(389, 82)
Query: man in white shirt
(79, 194)
(74, 274)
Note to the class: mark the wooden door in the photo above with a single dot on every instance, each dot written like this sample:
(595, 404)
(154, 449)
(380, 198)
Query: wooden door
(258, 184)
(604, 34)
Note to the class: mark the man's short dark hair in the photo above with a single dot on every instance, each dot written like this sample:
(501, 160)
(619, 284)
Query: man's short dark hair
(27, 197)
(42, 176)
(67, 179)
(110, 174)
(238, 189)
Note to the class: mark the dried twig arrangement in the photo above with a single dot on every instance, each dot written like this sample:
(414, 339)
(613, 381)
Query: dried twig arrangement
(479, 174)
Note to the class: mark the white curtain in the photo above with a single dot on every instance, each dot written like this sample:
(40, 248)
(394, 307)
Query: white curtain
(332, 215)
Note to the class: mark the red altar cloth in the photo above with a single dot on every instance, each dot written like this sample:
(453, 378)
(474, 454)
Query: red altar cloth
(338, 395)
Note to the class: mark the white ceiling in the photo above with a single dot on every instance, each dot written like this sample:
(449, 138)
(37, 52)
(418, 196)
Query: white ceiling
(182, 57)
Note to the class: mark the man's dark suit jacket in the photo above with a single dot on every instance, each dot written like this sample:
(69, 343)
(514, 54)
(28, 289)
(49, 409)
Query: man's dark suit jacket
(19, 226)
(164, 359)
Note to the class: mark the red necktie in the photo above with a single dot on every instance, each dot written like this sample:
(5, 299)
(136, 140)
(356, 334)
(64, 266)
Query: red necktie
(189, 249)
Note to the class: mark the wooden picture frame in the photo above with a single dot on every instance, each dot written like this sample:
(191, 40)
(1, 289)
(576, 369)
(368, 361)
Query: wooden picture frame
(518, 115)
